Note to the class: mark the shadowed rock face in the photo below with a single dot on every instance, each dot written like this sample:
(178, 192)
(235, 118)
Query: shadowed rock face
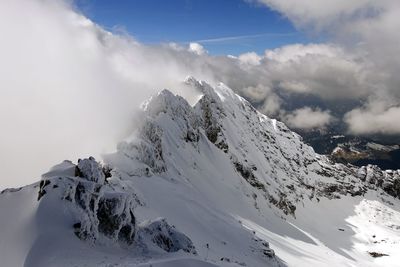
(113, 224)
(101, 211)
(165, 236)
(105, 212)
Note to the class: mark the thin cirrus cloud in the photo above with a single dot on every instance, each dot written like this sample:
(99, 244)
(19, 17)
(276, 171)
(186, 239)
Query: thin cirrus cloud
(243, 37)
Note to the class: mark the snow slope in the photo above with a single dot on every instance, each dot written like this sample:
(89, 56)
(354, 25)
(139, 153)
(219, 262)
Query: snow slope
(214, 184)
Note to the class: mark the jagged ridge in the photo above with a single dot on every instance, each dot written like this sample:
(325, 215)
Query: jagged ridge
(220, 158)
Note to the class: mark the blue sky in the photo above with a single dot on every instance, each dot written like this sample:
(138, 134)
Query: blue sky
(221, 26)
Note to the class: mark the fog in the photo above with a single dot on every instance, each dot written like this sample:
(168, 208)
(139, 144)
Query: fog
(70, 89)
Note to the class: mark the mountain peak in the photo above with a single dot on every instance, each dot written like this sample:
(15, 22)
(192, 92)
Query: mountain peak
(213, 182)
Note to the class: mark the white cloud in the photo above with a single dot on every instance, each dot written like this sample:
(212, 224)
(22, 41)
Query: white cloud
(365, 29)
(272, 105)
(307, 118)
(250, 58)
(320, 14)
(69, 88)
(256, 93)
(324, 70)
(270, 102)
(296, 52)
(375, 118)
(197, 48)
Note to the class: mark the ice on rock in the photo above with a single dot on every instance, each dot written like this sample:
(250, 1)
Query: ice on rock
(101, 213)
(91, 170)
(165, 236)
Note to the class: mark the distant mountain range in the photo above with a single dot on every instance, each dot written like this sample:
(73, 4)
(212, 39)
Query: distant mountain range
(356, 150)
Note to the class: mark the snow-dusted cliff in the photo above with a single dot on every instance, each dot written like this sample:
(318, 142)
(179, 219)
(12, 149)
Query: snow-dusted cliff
(216, 184)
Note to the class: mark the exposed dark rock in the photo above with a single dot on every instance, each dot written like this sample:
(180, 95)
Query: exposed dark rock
(10, 190)
(80, 195)
(284, 204)
(376, 254)
(126, 234)
(269, 252)
(248, 175)
(107, 171)
(211, 114)
(108, 222)
(166, 236)
(42, 191)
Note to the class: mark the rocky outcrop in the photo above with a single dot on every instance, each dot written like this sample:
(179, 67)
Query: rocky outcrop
(90, 170)
(104, 212)
(165, 236)
(388, 180)
(101, 211)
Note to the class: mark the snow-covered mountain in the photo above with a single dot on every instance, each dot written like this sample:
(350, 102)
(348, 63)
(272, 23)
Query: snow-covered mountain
(214, 184)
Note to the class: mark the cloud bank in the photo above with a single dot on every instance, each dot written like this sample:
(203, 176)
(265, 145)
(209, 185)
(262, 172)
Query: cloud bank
(69, 88)
(308, 118)
(374, 118)
(367, 30)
